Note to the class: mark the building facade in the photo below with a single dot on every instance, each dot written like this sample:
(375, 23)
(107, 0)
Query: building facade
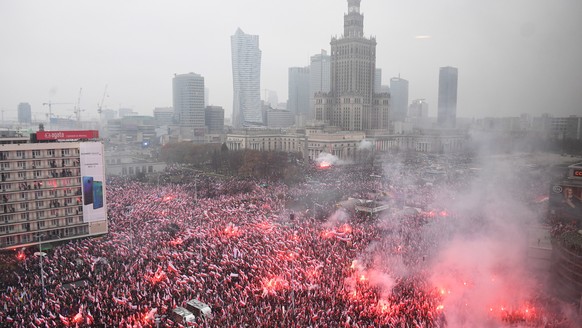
(299, 88)
(51, 191)
(246, 77)
(215, 119)
(319, 78)
(24, 113)
(352, 104)
(418, 109)
(277, 118)
(399, 97)
(447, 101)
(164, 115)
(188, 91)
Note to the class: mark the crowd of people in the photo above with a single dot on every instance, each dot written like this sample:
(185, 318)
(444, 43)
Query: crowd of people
(238, 246)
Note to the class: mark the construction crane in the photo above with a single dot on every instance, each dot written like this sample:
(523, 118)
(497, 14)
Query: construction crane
(50, 106)
(100, 104)
(78, 109)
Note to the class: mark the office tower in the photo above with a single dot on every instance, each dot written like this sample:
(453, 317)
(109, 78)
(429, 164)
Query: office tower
(447, 106)
(214, 119)
(352, 104)
(53, 188)
(399, 97)
(206, 97)
(189, 102)
(418, 109)
(272, 98)
(246, 77)
(378, 81)
(24, 113)
(299, 89)
(319, 78)
(164, 115)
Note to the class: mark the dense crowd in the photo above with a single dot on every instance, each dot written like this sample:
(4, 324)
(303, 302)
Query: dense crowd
(240, 247)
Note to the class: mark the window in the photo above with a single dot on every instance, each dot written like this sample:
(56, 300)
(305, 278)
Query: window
(69, 220)
(21, 165)
(38, 193)
(5, 165)
(35, 153)
(20, 153)
(55, 223)
(40, 224)
(23, 206)
(24, 216)
(37, 174)
(50, 152)
(21, 175)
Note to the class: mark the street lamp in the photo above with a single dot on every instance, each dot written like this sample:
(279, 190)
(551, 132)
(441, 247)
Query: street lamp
(40, 255)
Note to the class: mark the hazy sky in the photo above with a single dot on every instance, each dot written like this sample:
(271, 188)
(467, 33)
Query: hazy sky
(514, 56)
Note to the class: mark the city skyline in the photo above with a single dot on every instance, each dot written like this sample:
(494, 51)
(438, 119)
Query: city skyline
(505, 50)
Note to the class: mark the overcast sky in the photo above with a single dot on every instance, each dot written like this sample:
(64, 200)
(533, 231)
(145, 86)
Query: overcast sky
(514, 56)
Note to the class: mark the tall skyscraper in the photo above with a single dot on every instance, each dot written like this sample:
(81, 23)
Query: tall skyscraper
(319, 78)
(299, 88)
(352, 103)
(189, 102)
(399, 96)
(24, 113)
(447, 107)
(418, 109)
(378, 81)
(246, 77)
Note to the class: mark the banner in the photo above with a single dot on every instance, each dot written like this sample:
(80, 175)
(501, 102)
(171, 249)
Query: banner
(93, 182)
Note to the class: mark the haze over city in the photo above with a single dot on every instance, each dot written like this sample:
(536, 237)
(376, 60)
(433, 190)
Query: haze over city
(513, 56)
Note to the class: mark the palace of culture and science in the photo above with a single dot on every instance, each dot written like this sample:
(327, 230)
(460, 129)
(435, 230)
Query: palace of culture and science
(352, 104)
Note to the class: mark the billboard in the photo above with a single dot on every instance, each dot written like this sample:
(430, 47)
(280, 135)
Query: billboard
(67, 135)
(566, 201)
(93, 182)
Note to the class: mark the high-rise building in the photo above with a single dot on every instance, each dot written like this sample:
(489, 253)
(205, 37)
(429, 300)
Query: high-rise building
(319, 78)
(272, 98)
(447, 107)
(399, 97)
(299, 86)
(352, 104)
(215, 119)
(24, 113)
(246, 77)
(418, 109)
(54, 190)
(378, 81)
(189, 103)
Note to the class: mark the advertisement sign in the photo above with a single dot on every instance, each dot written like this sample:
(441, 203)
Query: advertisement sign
(93, 182)
(67, 135)
(566, 201)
